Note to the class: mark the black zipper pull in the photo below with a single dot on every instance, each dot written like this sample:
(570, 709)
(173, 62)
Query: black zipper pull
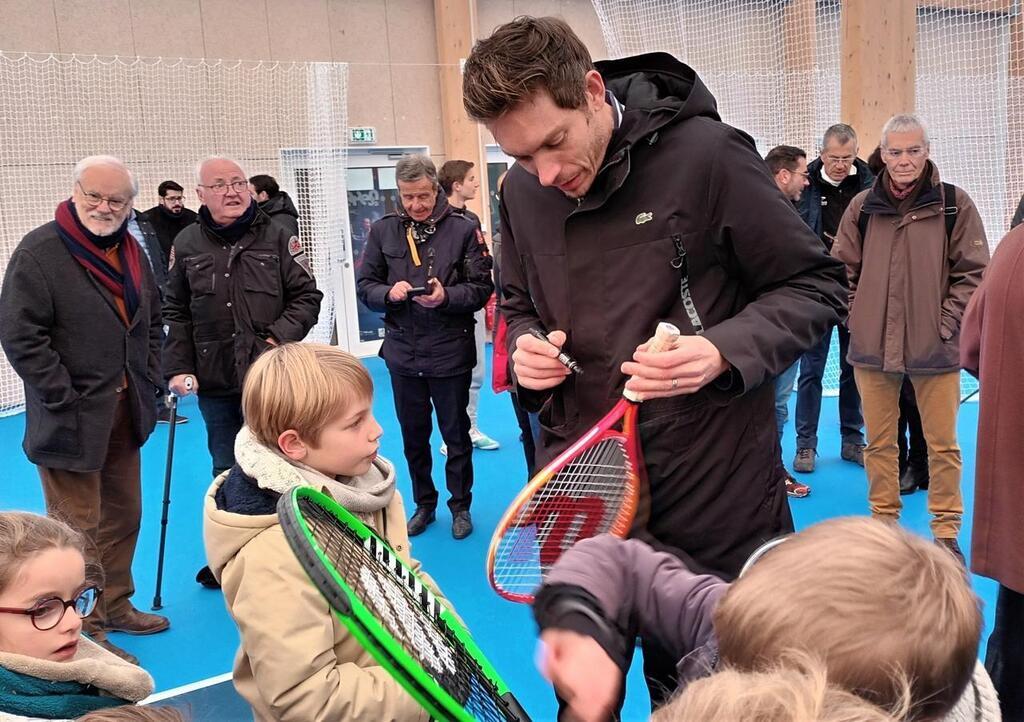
(679, 262)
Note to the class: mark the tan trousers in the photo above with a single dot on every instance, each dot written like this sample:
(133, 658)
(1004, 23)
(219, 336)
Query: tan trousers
(938, 399)
(106, 506)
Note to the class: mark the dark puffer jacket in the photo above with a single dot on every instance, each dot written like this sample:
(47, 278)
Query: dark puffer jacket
(420, 341)
(223, 301)
(281, 209)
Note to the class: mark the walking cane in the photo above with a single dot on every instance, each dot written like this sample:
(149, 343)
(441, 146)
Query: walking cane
(969, 396)
(172, 405)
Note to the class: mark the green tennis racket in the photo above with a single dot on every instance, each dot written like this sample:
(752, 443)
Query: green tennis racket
(390, 610)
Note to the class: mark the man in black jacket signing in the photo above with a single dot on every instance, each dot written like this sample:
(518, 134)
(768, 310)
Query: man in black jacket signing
(239, 285)
(631, 202)
(427, 268)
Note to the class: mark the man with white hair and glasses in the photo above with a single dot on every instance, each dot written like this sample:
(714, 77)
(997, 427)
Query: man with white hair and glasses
(915, 251)
(239, 284)
(80, 324)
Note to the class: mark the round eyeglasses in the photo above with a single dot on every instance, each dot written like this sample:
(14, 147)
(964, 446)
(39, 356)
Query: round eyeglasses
(47, 613)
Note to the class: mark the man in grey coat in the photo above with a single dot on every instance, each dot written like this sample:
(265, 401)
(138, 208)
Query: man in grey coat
(80, 324)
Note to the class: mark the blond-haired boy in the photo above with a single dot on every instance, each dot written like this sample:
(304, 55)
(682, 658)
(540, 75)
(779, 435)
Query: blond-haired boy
(309, 422)
(876, 604)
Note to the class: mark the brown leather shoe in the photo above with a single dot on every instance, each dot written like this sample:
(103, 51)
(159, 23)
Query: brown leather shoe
(136, 622)
(114, 649)
(804, 460)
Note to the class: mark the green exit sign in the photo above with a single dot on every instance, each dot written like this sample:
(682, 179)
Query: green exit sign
(362, 135)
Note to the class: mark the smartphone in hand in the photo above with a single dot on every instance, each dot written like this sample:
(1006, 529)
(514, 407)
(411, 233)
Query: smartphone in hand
(424, 290)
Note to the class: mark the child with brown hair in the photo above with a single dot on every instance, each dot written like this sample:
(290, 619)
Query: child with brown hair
(48, 670)
(309, 422)
(875, 604)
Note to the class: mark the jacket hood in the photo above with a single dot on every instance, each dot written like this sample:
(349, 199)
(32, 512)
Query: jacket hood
(236, 510)
(281, 203)
(661, 88)
(442, 209)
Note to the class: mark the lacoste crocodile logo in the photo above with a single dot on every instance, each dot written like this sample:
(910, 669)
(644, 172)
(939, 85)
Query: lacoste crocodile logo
(642, 218)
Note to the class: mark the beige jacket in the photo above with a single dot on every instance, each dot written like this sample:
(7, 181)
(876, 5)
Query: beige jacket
(92, 665)
(908, 286)
(296, 660)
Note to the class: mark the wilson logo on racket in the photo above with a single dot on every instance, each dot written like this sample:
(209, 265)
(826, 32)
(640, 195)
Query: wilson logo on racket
(592, 488)
(570, 519)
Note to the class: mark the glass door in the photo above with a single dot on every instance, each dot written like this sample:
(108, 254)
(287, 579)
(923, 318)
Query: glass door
(371, 194)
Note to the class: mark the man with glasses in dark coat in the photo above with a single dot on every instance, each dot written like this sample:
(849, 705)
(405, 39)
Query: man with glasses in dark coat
(80, 324)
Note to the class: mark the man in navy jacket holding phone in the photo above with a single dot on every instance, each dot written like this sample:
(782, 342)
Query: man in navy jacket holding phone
(427, 268)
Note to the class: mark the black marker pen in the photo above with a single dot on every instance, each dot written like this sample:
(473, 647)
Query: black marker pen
(568, 361)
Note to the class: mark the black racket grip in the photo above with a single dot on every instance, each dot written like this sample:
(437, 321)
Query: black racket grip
(308, 559)
(514, 708)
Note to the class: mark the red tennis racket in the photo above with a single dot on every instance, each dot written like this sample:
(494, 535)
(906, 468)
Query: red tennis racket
(591, 488)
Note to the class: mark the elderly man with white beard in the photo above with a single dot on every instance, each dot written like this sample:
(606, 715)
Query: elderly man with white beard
(80, 324)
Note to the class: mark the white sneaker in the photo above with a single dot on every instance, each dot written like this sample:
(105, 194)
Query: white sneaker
(480, 441)
(483, 441)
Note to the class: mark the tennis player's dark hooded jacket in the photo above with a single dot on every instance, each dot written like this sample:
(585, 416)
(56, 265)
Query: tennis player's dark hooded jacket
(675, 180)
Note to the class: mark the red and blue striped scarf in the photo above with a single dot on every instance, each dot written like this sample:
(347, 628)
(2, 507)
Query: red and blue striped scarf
(125, 284)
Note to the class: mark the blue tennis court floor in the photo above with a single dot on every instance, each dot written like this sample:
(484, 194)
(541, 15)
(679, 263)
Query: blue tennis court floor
(191, 662)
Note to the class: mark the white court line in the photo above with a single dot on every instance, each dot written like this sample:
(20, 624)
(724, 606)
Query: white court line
(185, 689)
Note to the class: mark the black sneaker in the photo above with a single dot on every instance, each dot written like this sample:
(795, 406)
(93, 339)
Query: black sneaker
(419, 522)
(462, 525)
(205, 577)
(913, 479)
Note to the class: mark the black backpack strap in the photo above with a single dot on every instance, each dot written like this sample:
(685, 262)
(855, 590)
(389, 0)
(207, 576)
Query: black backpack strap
(949, 209)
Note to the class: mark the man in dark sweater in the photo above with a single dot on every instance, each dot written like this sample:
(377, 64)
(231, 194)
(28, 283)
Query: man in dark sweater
(169, 216)
(836, 176)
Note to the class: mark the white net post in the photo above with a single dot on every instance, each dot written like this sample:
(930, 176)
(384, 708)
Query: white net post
(161, 116)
